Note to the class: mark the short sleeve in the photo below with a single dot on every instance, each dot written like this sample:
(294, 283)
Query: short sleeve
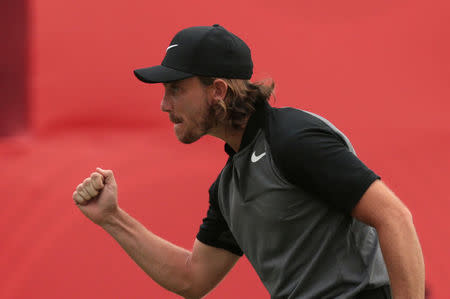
(214, 230)
(316, 158)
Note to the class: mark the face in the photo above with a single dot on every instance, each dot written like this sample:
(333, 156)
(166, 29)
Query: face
(186, 101)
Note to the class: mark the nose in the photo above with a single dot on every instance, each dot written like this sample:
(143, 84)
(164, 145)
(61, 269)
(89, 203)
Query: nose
(166, 105)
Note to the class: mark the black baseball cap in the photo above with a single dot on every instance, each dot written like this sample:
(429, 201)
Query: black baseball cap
(210, 51)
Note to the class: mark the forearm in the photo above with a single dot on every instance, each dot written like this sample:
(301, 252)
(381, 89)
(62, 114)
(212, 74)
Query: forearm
(165, 263)
(403, 256)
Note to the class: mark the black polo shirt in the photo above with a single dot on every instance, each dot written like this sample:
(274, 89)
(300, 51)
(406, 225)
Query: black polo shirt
(309, 153)
(285, 198)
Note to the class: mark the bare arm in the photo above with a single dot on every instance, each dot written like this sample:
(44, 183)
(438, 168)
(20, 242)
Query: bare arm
(189, 274)
(380, 208)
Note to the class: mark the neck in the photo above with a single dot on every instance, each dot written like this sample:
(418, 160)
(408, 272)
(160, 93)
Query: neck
(231, 136)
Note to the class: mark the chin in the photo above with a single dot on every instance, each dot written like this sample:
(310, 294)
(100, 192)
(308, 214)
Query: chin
(187, 137)
(187, 141)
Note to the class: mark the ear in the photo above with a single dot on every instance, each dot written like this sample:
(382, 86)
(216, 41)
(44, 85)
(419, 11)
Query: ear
(219, 89)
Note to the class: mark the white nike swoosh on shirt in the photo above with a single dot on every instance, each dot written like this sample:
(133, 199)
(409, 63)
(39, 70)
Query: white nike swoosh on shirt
(256, 158)
(171, 46)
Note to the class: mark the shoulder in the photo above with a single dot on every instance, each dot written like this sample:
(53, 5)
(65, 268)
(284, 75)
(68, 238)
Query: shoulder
(314, 155)
(289, 127)
(288, 118)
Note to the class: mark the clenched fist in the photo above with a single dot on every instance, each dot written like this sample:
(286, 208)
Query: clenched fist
(96, 196)
(88, 189)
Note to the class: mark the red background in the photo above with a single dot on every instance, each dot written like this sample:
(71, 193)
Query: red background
(379, 70)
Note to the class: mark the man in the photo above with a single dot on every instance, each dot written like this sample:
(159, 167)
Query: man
(312, 219)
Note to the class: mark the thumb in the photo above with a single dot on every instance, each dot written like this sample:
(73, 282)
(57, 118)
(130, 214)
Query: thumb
(107, 174)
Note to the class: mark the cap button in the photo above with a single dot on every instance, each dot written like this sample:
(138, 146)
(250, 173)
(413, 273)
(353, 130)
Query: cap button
(216, 25)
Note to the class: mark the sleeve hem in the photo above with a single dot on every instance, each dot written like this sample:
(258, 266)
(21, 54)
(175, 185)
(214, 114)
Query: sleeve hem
(205, 240)
(372, 177)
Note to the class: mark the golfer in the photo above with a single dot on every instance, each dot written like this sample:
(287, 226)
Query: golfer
(311, 218)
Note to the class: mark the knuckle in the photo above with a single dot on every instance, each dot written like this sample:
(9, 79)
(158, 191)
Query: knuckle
(83, 194)
(78, 198)
(97, 183)
(91, 192)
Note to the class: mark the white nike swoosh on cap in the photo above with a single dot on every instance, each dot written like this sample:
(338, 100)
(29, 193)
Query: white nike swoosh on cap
(256, 158)
(171, 46)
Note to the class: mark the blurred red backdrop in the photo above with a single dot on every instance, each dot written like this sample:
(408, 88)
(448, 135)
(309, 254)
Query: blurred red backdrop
(379, 70)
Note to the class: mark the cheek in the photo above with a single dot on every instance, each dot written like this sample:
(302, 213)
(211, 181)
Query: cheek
(194, 114)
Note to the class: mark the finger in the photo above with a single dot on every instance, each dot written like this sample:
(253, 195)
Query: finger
(82, 192)
(87, 185)
(107, 174)
(97, 181)
(78, 199)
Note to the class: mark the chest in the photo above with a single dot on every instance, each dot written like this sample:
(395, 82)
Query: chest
(256, 200)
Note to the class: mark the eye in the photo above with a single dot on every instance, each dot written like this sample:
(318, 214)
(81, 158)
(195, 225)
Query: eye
(174, 89)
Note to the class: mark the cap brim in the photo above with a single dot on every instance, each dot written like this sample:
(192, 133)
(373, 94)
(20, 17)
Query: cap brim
(160, 74)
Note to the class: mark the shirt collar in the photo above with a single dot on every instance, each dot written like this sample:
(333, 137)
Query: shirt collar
(254, 123)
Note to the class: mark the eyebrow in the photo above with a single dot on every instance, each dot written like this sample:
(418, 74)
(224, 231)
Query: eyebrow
(173, 83)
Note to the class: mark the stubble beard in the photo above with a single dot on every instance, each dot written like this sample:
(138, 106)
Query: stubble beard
(204, 124)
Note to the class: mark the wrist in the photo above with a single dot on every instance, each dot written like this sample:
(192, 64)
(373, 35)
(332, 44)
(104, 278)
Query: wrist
(114, 218)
